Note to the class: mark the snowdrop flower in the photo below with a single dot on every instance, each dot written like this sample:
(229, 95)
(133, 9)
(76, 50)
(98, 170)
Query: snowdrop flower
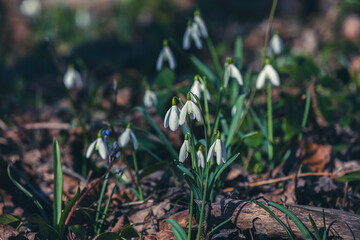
(150, 98)
(185, 149)
(172, 116)
(276, 44)
(197, 88)
(267, 73)
(200, 158)
(218, 147)
(200, 22)
(165, 55)
(30, 8)
(98, 145)
(124, 138)
(231, 71)
(72, 78)
(190, 108)
(192, 32)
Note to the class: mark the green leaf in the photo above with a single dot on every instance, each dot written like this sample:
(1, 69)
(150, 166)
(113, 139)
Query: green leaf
(351, 177)
(203, 69)
(218, 226)
(128, 231)
(274, 216)
(186, 171)
(238, 52)
(192, 184)
(294, 218)
(58, 183)
(214, 57)
(316, 229)
(159, 132)
(65, 213)
(235, 120)
(27, 193)
(165, 78)
(178, 231)
(43, 226)
(8, 219)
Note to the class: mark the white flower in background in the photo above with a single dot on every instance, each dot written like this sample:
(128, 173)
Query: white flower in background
(125, 137)
(30, 8)
(185, 149)
(200, 22)
(165, 55)
(217, 147)
(233, 111)
(172, 116)
(98, 145)
(190, 108)
(276, 45)
(192, 33)
(197, 88)
(231, 71)
(267, 73)
(200, 158)
(150, 99)
(82, 18)
(72, 78)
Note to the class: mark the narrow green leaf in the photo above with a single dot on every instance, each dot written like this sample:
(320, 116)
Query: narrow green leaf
(238, 52)
(58, 183)
(193, 186)
(66, 211)
(186, 171)
(128, 231)
(351, 177)
(27, 193)
(235, 120)
(214, 57)
(352, 233)
(181, 234)
(274, 216)
(316, 229)
(203, 69)
(43, 226)
(108, 236)
(8, 219)
(294, 218)
(218, 226)
(159, 132)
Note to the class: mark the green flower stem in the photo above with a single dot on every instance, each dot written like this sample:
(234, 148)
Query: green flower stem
(207, 115)
(215, 57)
(202, 211)
(190, 214)
(100, 201)
(137, 176)
(107, 205)
(270, 124)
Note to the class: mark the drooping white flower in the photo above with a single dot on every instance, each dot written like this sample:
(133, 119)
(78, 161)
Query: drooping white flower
(72, 78)
(30, 8)
(217, 147)
(165, 55)
(125, 137)
(172, 116)
(190, 108)
(82, 18)
(185, 149)
(267, 73)
(200, 22)
(276, 45)
(231, 71)
(150, 98)
(200, 158)
(197, 88)
(98, 145)
(192, 32)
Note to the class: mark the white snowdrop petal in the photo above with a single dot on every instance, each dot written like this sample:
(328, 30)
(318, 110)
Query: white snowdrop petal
(134, 140)
(201, 160)
(197, 40)
(174, 118)
(223, 152)
(195, 89)
(235, 73)
(160, 60)
(186, 38)
(211, 152)
(91, 149)
(196, 112)
(102, 149)
(153, 98)
(200, 22)
(124, 138)
(261, 79)
(272, 75)
(183, 151)
(183, 113)
(167, 118)
(218, 151)
(227, 75)
(170, 57)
